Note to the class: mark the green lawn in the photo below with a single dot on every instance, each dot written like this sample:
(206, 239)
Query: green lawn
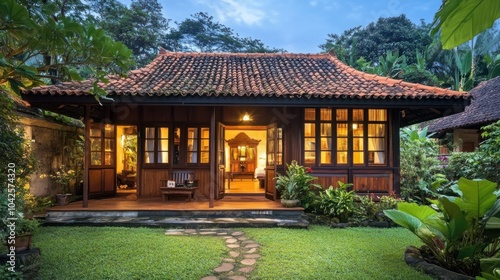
(325, 253)
(141, 253)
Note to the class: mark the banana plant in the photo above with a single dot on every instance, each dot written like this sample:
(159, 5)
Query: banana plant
(457, 229)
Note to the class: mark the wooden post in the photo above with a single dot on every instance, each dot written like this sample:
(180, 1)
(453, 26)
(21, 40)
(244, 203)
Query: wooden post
(86, 160)
(213, 160)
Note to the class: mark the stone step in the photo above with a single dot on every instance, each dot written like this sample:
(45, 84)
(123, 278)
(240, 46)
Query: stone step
(180, 218)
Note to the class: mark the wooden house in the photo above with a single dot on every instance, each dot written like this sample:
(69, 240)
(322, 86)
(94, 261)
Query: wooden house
(312, 108)
(465, 127)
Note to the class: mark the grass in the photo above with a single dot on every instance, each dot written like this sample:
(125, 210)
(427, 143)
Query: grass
(141, 253)
(325, 253)
(125, 253)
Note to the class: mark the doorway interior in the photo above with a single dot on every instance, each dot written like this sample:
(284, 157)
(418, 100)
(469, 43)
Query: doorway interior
(126, 159)
(245, 151)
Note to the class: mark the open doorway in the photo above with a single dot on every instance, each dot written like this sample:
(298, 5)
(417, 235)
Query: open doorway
(126, 163)
(245, 150)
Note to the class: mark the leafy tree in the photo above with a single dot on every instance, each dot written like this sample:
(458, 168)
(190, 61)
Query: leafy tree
(39, 43)
(141, 27)
(459, 21)
(201, 33)
(387, 34)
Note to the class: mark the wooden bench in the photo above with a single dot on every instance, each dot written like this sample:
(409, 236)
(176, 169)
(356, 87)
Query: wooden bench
(184, 184)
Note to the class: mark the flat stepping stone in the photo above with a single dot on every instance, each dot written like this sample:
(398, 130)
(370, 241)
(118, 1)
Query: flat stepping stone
(252, 250)
(237, 277)
(248, 261)
(237, 233)
(231, 240)
(253, 245)
(209, 278)
(252, 256)
(229, 260)
(246, 269)
(234, 254)
(232, 246)
(225, 267)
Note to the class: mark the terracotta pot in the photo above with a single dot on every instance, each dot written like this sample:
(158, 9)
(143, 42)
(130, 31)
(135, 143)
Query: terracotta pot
(290, 202)
(63, 199)
(23, 242)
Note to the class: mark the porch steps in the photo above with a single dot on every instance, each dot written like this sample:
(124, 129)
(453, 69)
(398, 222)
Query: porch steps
(290, 218)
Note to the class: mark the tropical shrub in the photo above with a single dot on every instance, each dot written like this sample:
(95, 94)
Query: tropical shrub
(296, 183)
(460, 231)
(337, 203)
(371, 207)
(419, 163)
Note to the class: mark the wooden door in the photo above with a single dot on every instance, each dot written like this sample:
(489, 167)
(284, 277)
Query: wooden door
(221, 162)
(272, 160)
(102, 169)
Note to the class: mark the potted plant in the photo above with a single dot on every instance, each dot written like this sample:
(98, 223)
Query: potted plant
(24, 231)
(295, 184)
(65, 179)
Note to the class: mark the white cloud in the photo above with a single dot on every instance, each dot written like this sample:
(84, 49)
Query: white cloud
(249, 12)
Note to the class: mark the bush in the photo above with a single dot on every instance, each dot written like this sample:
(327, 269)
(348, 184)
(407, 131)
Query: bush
(419, 163)
(338, 203)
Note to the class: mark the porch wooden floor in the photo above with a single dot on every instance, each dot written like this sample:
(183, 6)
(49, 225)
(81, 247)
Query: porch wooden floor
(230, 202)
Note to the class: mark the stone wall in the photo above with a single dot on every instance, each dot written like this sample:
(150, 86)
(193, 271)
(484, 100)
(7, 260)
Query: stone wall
(52, 144)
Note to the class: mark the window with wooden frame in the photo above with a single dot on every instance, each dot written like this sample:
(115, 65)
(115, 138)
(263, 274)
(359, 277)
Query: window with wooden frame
(198, 145)
(156, 145)
(347, 137)
(102, 145)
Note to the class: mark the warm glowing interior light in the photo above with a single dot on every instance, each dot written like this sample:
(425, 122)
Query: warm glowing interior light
(246, 117)
(354, 126)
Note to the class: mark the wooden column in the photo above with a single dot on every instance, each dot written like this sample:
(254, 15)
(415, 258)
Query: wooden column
(213, 160)
(86, 159)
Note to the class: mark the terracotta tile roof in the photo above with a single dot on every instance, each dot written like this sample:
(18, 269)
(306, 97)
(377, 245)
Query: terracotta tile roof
(241, 74)
(484, 108)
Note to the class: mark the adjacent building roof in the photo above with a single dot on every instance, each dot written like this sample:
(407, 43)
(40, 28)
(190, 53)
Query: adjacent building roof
(250, 79)
(484, 109)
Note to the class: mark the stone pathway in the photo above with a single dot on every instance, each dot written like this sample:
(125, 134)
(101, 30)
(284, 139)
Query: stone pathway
(242, 256)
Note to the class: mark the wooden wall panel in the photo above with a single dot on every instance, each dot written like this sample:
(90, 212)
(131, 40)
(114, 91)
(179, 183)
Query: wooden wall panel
(109, 180)
(327, 180)
(374, 182)
(95, 181)
(150, 185)
(203, 177)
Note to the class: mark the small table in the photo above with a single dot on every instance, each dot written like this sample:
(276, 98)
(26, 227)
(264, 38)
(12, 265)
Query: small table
(190, 191)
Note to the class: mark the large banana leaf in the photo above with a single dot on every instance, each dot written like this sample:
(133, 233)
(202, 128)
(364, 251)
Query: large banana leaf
(411, 215)
(453, 224)
(460, 20)
(477, 197)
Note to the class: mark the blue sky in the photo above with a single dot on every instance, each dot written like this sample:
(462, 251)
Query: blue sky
(297, 26)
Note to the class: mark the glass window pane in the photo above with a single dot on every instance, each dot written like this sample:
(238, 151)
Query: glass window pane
(163, 145)
(326, 114)
(376, 129)
(109, 131)
(150, 132)
(342, 129)
(109, 145)
(376, 157)
(204, 157)
(326, 157)
(357, 144)
(376, 144)
(192, 132)
(149, 145)
(309, 114)
(95, 158)
(342, 158)
(205, 132)
(309, 129)
(377, 114)
(205, 145)
(108, 159)
(357, 129)
(310, 144)
(163, 132)
(162, 157)
(310, 157)
(357, 114)
(326, 129)
(95, 132)
(342, 144)
(149, 157)
(95, 144)
(192, 157)
(358, 157)
(341, 114)
(326, 143)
